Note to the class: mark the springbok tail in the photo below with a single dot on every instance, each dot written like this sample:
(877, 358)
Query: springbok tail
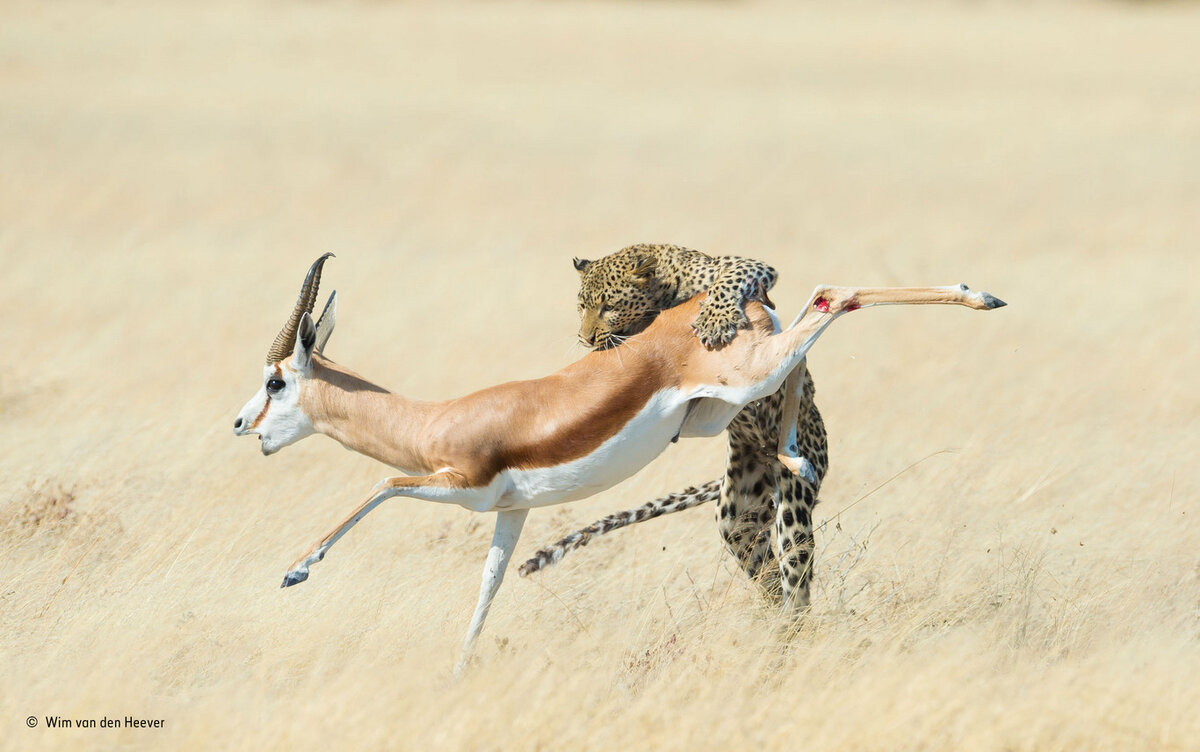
(675, 502)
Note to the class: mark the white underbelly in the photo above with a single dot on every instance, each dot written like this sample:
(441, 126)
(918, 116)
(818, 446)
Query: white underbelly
(708, 417)
(641, 440)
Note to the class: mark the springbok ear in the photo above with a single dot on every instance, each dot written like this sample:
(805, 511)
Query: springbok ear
(306, 342)
(326, 323)
(643, 271)
(581, 265)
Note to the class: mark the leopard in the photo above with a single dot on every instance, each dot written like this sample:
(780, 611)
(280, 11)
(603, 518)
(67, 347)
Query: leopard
(620, 294)
(764, 509)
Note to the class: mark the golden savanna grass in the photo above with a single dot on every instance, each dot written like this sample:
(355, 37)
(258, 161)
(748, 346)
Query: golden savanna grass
(170, 170)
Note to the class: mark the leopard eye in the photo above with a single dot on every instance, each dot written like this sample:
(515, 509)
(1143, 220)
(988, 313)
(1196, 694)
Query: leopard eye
(274, 386)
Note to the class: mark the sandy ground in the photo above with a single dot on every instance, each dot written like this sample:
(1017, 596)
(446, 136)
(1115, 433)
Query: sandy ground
(170, 169)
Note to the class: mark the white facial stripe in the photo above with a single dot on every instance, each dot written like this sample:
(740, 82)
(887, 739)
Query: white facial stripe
(262, 414)
(276, 418)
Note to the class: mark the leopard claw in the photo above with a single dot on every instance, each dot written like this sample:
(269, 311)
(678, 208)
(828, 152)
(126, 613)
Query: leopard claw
(715, 336)
(716, 332)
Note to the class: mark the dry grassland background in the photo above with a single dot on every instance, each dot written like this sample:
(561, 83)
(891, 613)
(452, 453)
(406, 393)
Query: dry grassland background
(169, 170)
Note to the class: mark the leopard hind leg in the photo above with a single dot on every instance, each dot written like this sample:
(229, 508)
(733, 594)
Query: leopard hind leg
(797, 494)
(747, 505)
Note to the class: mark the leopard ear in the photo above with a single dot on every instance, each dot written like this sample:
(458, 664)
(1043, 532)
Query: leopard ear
(581, 265)
(643, 271)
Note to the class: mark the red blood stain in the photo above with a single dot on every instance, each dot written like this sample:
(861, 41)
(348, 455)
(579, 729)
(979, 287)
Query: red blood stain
(822, 305)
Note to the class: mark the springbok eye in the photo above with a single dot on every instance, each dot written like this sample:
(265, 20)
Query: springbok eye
(275, 385)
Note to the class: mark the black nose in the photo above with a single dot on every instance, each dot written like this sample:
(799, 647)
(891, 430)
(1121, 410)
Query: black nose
(237, 424)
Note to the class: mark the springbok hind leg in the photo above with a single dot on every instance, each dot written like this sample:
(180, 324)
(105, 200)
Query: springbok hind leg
(787, 350)
(798, 478)
(788, 448)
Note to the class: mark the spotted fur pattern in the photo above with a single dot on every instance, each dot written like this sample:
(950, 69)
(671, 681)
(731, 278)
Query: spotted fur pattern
(764, 511)
(620, 294)
(676, 502)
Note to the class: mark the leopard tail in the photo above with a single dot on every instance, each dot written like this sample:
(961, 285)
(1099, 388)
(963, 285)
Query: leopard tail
(669, 504)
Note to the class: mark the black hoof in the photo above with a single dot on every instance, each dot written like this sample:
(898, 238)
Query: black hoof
(294, 578)
(992, 301)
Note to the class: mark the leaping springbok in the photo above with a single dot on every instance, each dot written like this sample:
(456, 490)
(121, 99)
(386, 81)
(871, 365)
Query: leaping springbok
(561, 438)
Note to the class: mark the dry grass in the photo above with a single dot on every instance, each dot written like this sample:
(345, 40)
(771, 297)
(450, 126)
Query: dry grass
(169, 172)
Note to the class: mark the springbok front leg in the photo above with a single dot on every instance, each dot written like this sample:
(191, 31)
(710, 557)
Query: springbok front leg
(504, 540)
(447, 487)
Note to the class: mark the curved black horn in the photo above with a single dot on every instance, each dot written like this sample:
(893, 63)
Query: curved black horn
(285, 342)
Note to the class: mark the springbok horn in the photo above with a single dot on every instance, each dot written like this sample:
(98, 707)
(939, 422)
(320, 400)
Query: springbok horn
(285, 342)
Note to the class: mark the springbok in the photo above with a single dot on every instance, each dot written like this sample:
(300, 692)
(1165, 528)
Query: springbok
(526, 444)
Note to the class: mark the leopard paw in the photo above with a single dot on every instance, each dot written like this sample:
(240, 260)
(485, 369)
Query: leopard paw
(716, 330)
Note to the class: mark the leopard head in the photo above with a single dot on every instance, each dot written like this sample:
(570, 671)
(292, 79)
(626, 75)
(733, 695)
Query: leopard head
(618, 296)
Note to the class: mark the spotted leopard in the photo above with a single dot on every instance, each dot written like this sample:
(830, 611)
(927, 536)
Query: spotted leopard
(620, 295)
